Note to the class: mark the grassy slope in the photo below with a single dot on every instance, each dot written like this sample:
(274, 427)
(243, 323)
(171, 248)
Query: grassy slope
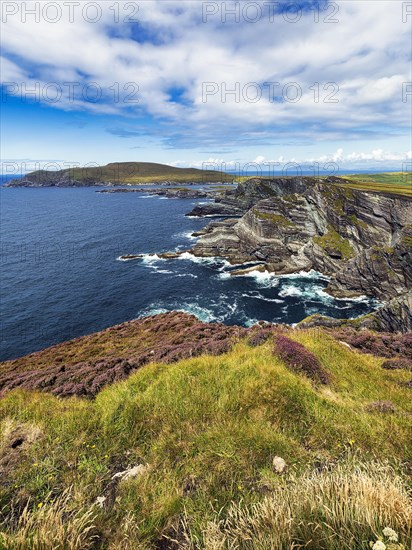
(141, 172)
(209, 428)
(391, 182)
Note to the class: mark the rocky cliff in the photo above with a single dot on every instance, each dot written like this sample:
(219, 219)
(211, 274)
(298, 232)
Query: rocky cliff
(361, 239)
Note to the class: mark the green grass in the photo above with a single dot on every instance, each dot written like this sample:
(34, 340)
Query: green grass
(208, 428)
(334, 242)
(275, 219)
(399, 183)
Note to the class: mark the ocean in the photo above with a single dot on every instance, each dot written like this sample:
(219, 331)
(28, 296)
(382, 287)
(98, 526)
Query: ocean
(61, 276)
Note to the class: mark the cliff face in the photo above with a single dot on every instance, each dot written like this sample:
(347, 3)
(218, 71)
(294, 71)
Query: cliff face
(362, 240)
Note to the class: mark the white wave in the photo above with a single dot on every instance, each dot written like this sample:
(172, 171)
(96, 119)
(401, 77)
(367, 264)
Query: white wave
(202, 313)
(359, 299)
(186, 235)
(265, 278)
(166, 271)
(224, 275)
(202, 260)
(290, 290)
(151, 258)
(152, 311)
(249, 322)
(312, 274)
(258, 296)
(147, 196)
(121, 259)
(187, 275)
(319, 291)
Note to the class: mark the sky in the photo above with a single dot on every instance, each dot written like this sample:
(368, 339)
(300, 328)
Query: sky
(223, 85)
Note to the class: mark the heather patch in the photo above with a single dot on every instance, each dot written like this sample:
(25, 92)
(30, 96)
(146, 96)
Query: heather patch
(383, 344)
(300, 360)
(399, 363)
(84, 366)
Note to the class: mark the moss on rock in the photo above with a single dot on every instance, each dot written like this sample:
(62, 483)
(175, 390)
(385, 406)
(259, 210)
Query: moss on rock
(335, 245)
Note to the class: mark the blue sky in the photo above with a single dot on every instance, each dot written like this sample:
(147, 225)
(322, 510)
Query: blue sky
(192, 82)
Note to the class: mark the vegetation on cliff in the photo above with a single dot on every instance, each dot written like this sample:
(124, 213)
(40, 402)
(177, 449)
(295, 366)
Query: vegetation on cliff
(335, 245)
(186, 454)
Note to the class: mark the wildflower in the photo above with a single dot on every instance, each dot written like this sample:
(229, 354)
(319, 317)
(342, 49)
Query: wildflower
(40, 504)
(390, 534)
(379, 545)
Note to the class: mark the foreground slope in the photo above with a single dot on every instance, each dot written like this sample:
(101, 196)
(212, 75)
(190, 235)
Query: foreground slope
(181, 454)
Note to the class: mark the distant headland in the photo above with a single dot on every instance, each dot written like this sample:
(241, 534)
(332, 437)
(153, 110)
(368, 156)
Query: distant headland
(120, 173)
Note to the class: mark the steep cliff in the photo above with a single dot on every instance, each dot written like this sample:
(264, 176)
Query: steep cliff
(362, 240)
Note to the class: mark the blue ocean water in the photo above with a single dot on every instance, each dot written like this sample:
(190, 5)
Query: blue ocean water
(61, 277)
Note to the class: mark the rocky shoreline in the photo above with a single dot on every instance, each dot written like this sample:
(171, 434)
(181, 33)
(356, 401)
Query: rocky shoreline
(361, 240)
(169, 192)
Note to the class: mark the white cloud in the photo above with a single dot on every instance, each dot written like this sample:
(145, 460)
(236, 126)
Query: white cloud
(343, 161)
(362, 61)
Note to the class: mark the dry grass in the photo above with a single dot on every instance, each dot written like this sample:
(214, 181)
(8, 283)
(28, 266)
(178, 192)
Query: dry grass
(341, 509)
(50, 525)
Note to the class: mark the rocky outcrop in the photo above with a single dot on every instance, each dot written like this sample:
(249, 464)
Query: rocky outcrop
(362, 240)
(381, 271)
(235, 202)
(168, 192)
(52, 179)
(393, 316)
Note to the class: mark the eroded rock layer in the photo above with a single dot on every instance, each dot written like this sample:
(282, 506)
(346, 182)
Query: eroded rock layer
(361, 239)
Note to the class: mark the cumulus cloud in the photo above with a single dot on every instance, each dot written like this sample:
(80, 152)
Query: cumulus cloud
(339, 158)
(307, 80)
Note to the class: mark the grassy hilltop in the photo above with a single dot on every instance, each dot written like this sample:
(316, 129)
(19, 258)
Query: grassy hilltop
(133, 173)
(202, 433)
(388, 182)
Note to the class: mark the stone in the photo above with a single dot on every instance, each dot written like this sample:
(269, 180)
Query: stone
(131, 472)
(279, 465)
(100, 501)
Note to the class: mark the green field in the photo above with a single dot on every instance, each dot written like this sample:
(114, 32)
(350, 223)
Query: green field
(391, 182)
